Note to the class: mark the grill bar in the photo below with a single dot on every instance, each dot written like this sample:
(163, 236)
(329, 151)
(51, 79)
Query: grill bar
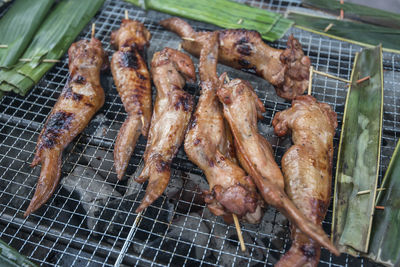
(90, 219)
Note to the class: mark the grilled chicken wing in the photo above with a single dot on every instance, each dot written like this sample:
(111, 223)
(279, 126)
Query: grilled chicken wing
(307, 168)
(132, 79)
(80, 99)
(206, 144)
(287, 70)
(241, 108)
(172, 111)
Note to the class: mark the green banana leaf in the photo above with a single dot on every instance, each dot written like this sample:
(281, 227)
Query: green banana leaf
(354, 32)
(385, 237)
(223, 13)
(357, 12)
(51, 41)
(18, 26)
(12, 258)
(359, 155)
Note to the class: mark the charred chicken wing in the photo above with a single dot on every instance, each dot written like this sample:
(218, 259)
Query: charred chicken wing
(172, 111)
(287, 70)
(132, 79)
(241, 108)
(307, 168)
(80, 99)
(207, 145)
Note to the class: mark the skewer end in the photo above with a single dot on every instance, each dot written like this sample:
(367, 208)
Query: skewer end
(126, 14)
(310, 80)
(93, 29)
(239, 232)
(363, 79)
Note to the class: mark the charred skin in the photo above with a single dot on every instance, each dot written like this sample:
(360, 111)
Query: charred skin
(208, 145)
(172, 112)
(307, 168)
(80, 99)
(287, 70)
(241, 108)
(132, 80)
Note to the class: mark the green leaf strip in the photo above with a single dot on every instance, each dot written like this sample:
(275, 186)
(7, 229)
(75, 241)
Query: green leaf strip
(359, 155)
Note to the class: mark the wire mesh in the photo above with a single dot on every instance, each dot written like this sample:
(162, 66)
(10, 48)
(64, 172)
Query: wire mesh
(87, 221)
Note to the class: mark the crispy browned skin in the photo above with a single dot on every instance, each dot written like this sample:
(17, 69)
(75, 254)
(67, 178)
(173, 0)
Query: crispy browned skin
(80, 99)
(241, 108)
(231, 191)
(307, 168)
(132, 79)
(287, 70)
(172, 111)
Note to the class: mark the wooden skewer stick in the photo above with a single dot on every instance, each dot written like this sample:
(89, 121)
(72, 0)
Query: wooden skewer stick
(188, 39)
(363, 79)
(128, 238)
(142, 119)
(50, 60)
(126, 14)
(239, 232)
(331, 76)
(310, 80)
(227, 79)
(369, 191)
(3, 46)
(93, 29)
(379, 207)
(328, 27)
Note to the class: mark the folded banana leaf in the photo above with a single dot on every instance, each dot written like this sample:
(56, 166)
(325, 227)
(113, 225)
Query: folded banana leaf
(223, 13)
(18, 26)
(51, 41)
(385, 237)
(12, 258)
(350, 31)
(359, 155)
(357, 12)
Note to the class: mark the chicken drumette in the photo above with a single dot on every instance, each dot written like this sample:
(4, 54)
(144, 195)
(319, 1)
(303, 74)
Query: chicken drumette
(287, 70)
(132, 79)
(241, 109)
(80, 99)
(172, 111)
(208, 146)
(307, 168)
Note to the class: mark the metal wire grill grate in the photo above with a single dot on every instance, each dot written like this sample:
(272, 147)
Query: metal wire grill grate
(87, 220)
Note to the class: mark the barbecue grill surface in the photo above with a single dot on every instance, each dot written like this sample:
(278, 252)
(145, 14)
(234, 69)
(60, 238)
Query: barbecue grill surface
(87, 221)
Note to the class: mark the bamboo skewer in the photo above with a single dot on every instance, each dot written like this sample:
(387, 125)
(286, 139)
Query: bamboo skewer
(328, 27)
(3, 46)
(363, 79)
(310, 80)
(239, 232)
(235, 218)
(93, 29)
(188, 39)
(126, 14)
(369, 191)
(129, 237)
(331, 76)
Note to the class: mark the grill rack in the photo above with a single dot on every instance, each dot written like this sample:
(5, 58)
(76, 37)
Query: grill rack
(74, 229)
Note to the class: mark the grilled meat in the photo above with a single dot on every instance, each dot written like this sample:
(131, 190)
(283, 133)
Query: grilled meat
(307, 168)
(241, 108)
(287, 70)
(206, 144)
(132, 79)
(172, 111)
(80, 99)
